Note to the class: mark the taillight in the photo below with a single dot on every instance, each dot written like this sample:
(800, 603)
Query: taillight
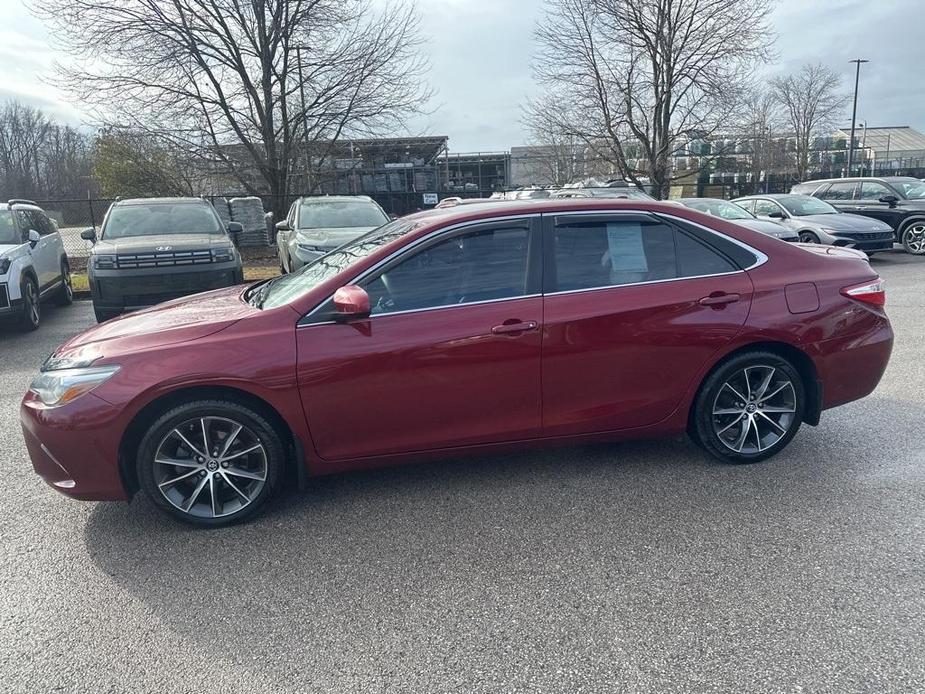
(873, 293)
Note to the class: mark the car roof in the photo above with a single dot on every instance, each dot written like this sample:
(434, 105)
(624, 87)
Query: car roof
(685, 200)
(773, 196)
(490, 209)
(853, 179)
(161, 201)
(335, 198)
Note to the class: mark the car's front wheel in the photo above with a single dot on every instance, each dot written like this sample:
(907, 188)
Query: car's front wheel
(914, 238)
(210, 462)
(31, 315)
(808, 237)
(749, 408)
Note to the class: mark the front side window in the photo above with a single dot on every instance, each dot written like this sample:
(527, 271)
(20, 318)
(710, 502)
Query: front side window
(764, 208)
(484, 265)
(911, 190)
(597, 254)
(872, 190)
(160, 218)
(839, 191)
(340, 215)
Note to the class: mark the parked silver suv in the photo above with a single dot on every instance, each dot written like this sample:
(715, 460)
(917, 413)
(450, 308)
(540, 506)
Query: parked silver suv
(33, 264)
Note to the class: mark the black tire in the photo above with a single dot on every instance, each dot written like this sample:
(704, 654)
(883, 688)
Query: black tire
(65, 295)
(31, 316)
(913, 238)
(717, 396)
(104, 314)
(808, 237)
(219, 413)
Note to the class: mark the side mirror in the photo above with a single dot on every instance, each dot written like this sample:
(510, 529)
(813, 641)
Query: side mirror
(34, 237)
(283, 225)
(351, 302)
(89, 235)
(776, 214)
(234, 227)
(890, 200)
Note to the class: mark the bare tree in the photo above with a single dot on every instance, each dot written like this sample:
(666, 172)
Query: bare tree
(812, 105)
(643, 77)
(40, 158)
(259, 89)
(134, 164)
(760, 128)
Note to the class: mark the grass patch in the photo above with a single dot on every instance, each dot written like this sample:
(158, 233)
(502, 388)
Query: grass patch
(251, 274)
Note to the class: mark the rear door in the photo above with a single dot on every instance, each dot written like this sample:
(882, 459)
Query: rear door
(840, 195)
(634, 308)
(47, 254)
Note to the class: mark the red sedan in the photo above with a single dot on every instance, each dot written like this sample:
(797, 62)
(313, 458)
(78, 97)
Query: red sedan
(473, 328)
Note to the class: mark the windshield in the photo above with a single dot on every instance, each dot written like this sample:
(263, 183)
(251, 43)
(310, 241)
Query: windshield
(8, 231)
(158, 219)
(340, 215)
(911, 190)
(804, 205)
(718, 208)
(290, 287)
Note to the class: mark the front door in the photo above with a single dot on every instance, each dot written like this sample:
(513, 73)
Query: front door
(449, 357)
(869, 205)
(634, 309)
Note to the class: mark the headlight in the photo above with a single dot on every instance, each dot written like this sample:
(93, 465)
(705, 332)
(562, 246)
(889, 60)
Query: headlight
(5, 265)
(57, 388)
(310, 249)
(104, 262)
(222, 255)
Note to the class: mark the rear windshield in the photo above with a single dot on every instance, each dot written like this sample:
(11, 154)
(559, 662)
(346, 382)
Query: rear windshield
(8, 231)
(718, 208)
(155, 220)
(340, 215)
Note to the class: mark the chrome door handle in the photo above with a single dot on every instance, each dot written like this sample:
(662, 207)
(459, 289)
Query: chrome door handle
(719, 299)
(514, 328)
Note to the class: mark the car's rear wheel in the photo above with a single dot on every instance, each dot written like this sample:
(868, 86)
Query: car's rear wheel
(808, 237)
(31, 305)
(914, 238)
(210, 462)
(65, 296)
(749, 408)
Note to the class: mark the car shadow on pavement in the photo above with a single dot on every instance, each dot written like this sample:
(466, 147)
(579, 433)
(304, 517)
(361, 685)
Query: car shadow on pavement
(417, 568)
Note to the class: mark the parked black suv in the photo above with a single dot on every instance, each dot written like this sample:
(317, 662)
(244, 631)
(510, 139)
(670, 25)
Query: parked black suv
(897, 200)
(151, 250)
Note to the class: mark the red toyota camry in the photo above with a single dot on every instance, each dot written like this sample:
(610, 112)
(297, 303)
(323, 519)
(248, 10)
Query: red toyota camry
(473, 328)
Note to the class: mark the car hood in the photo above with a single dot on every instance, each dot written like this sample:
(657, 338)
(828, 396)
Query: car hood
(769, 228)
(329, 238)
(149, 244)
(180, 320)
(845, 222)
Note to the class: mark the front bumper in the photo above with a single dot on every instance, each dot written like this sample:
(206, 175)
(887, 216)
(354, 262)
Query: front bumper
(75, 448)
(134, 289)
(873, 241)
(303, 256)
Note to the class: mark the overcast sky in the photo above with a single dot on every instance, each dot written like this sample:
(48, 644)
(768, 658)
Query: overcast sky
(480, 52)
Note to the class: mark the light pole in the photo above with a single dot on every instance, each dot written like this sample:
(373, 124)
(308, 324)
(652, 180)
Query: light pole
(854, 110)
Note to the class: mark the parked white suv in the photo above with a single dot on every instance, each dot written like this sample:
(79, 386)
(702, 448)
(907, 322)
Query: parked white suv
(33, 264)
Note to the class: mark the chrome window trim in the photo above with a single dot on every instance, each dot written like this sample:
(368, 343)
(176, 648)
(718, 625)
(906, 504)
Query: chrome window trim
(407, 249)
(761, 260)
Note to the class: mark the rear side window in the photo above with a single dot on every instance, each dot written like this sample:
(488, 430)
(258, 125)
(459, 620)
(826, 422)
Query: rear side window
(839, 191)
(608, 253)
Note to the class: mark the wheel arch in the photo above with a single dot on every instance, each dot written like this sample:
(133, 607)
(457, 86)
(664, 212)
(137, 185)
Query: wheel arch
(134, 432)
(907, 222)
(801, 361)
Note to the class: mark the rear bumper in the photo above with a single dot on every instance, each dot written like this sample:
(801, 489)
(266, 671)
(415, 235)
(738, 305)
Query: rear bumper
(850, 368)
(127, 290)
(75, 448)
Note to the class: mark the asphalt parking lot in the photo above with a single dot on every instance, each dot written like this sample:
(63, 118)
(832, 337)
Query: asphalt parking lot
(642, 567)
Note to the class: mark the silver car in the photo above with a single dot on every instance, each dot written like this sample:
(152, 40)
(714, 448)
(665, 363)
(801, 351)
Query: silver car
(317, 225)
(731, 212)
(816, 221)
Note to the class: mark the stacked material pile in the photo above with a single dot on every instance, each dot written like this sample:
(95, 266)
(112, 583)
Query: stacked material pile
(248, 212)
(221, 207)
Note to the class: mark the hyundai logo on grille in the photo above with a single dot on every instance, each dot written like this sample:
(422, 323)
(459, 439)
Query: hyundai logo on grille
(163, 248)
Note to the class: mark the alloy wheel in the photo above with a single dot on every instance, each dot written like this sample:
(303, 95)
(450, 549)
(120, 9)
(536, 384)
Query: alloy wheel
(210, 467)
(808, 237)
(32, 303)
(68, 286)
(754, 409)
(914, 239)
